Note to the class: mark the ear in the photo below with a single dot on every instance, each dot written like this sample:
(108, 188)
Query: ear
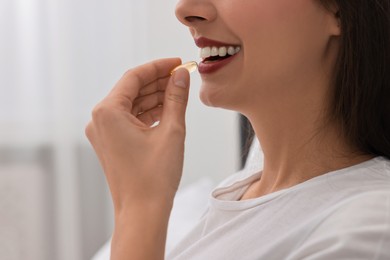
(334, 19)
(336, 24)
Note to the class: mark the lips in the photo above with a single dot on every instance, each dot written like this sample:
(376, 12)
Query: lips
(202, 42)
(215, 54)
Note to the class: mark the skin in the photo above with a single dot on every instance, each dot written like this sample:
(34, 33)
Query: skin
(280, 81)
(142, 165)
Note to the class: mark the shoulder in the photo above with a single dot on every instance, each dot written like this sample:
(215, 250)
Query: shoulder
(372, 175)
(368, 209)
(358, 228)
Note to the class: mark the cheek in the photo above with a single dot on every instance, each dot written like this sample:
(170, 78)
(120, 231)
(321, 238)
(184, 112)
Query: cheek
(280, 40)
(281, 37)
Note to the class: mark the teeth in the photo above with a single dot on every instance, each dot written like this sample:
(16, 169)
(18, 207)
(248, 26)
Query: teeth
(205, 52)
(231, 50)
(214, 51)
(221, 51)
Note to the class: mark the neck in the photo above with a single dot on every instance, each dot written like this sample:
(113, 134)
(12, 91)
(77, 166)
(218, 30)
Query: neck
(290, 119)
(298, 145)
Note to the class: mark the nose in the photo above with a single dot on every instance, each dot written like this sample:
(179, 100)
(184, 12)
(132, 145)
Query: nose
(194, 12)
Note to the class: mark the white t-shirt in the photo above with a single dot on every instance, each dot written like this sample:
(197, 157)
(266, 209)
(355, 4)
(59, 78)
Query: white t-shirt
(343, 214)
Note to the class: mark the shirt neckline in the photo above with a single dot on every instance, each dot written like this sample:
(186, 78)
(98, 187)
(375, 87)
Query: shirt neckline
(226, 198)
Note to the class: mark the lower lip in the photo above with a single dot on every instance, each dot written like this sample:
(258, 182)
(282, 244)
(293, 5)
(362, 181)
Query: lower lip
(211, 67)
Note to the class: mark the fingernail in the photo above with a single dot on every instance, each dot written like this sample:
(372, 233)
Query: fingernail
(179, 78)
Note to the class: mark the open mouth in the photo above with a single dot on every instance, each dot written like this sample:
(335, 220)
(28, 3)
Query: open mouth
(215, 58)
(213, 54)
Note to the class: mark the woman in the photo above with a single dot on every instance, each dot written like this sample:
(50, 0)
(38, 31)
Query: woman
(312, 78)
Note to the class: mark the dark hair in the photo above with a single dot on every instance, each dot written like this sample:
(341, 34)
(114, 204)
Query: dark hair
(361, 99)
(361, 94)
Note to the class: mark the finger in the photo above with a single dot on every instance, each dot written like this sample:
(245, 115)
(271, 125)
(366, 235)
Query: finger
(176, 98)
(145, 103)
(159, 85)
(135, 79)
(151, 117)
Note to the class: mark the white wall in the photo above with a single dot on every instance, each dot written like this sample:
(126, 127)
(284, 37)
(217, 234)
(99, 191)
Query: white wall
(58, 59)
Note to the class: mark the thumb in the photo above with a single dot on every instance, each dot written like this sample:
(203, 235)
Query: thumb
(176, 99)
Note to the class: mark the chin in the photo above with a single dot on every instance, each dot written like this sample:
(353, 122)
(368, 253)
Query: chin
(218, 98)
(206, 100)
(210, 97)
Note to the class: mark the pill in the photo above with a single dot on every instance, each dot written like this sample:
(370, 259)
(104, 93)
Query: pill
(191, 66)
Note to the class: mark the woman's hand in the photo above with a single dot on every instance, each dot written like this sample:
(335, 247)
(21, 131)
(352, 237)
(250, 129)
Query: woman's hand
(142, 164)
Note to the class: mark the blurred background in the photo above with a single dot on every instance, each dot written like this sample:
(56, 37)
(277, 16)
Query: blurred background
(58, 58)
